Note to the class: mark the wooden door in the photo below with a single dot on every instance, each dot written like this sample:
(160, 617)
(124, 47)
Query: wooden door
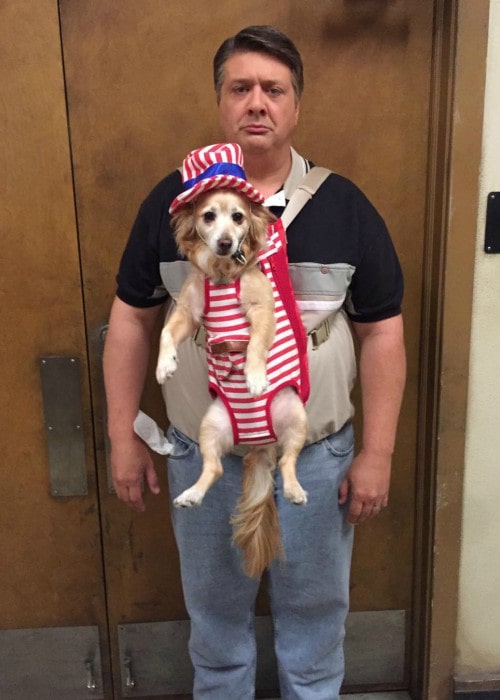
(53, 636)
(139, 96)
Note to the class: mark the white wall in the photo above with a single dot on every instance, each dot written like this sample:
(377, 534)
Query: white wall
(478, 638)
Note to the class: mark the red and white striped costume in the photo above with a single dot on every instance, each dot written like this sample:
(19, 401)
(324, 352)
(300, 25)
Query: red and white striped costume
(287, 361)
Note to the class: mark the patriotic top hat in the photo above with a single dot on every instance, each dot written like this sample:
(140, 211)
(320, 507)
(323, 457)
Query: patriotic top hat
(216, 166)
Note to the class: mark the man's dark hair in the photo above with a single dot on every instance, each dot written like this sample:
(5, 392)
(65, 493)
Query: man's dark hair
(261, 39)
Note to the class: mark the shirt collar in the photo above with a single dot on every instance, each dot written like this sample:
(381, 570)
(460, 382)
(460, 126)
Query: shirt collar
(300, 167)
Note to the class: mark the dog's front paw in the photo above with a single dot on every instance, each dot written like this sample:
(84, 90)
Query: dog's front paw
(296, 494)
(256, 382)
(189, 498)
(167, 364)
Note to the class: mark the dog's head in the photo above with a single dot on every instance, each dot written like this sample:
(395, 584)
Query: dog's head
(221, 231)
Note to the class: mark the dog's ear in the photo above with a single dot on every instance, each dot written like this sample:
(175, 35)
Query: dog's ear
(260, 218)
(183, 225)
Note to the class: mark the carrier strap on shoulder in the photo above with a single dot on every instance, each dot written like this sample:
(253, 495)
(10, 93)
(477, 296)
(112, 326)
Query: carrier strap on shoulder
(307, 188)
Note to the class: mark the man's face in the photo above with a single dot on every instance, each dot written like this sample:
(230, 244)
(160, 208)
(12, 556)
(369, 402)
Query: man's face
(258, 108)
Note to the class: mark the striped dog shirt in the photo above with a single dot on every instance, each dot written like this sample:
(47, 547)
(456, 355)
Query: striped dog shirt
(224, 320)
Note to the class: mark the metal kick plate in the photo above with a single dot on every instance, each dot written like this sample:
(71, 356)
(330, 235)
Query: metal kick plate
(107, 444)
(492, 232)
(62, 663)
(155, 659)
(62, 405)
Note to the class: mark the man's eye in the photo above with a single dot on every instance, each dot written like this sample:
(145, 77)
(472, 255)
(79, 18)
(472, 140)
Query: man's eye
(238, 217)
(208, 216)
(239, 89)
(274, 91)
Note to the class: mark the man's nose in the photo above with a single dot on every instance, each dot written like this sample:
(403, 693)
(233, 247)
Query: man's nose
(257, 102)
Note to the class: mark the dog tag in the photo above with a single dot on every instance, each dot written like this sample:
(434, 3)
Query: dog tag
(239, 257)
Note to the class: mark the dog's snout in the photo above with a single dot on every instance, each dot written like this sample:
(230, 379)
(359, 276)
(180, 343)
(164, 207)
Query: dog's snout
(224, 245)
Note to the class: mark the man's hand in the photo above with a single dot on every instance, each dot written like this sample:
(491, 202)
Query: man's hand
(125, 362)
(130, 463)
(367, 484)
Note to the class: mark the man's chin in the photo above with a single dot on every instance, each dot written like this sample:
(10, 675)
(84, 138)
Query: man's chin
(256, 143)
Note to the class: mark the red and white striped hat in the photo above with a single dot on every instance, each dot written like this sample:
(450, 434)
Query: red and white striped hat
(216, 166)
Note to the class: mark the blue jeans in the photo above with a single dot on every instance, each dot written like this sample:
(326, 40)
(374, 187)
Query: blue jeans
(309, 590)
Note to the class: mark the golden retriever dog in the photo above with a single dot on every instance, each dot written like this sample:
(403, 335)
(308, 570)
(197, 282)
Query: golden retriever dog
(221, 234)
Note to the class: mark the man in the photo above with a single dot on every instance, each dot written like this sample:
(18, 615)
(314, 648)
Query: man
(342, 264)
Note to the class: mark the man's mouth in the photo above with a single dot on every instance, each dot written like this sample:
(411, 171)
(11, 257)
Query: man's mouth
(256, 129)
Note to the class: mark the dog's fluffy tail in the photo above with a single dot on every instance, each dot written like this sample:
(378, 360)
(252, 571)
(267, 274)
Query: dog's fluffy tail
(255, 523)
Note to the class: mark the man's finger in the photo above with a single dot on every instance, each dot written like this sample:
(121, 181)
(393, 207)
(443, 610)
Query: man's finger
(355, 511)
(134, 498)
(152, 479)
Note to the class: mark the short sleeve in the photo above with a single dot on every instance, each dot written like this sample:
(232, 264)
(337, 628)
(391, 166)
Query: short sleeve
(150, 243)
(376, 288)
(139, 282)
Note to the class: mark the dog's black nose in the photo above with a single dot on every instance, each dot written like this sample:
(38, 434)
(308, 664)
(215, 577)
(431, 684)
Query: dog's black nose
(224, 246)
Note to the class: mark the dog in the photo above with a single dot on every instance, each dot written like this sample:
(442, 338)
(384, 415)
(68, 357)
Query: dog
(221, 233)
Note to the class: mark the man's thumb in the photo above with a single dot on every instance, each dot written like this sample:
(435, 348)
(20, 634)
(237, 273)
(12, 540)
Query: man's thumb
(343, 491)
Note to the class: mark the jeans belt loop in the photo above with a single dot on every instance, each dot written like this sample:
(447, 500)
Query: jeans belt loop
(320, 334)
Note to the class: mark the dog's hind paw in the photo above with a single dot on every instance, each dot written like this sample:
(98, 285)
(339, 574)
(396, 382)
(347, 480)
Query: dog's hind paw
(189, 498)
(165, 368)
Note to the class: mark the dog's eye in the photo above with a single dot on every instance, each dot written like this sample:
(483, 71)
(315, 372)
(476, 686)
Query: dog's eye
(208, 216)
(238, 217)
